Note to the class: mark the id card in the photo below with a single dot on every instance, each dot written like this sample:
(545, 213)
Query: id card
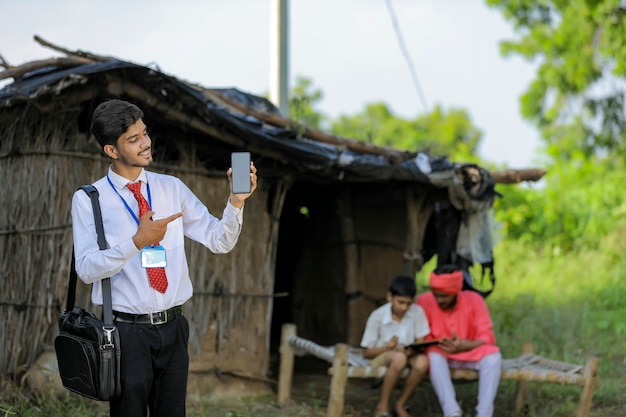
(153, 257)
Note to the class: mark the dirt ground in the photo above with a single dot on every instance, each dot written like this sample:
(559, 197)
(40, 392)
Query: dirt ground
(311, 385)
(309, 398)
(361, 396)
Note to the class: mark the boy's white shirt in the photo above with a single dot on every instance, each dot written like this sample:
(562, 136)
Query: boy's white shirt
(381, 327)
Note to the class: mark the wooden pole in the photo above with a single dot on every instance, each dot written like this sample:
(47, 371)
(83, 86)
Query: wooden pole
(514, 176)
(591, 381)
(282, 186)
(355, 145)
(285, 373)
(521, 396)
(279, 55)
(338, 381)
(351, 253)
(418, 210)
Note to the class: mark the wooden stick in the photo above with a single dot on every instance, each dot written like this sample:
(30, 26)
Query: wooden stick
(521, 395)
(514, 176)
(285, 374)
(19, 71)
(591, 381)
(338, 381)
(3, 62)
(78, 53)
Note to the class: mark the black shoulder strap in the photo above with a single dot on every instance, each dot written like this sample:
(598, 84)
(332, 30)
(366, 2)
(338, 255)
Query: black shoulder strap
(107, 308)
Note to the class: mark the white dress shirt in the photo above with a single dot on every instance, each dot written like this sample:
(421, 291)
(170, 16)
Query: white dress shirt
(121, 261)
(381, 326)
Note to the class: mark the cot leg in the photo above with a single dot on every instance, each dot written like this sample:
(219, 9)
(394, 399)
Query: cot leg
(338, 381)
(591, 381)
(285, 373)
(521, 397)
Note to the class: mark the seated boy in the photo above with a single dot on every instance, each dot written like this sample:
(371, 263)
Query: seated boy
(389, 329)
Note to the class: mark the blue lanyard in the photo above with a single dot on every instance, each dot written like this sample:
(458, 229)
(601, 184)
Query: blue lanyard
(132, 213)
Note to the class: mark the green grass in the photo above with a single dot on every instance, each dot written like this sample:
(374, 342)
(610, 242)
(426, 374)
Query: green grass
(570, 306)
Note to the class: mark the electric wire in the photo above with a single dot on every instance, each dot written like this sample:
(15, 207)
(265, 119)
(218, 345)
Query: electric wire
(405, 52)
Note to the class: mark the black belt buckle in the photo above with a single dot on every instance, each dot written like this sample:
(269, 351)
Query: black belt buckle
(159, 317)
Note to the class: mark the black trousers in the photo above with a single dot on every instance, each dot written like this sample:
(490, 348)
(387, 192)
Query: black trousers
(154, 369)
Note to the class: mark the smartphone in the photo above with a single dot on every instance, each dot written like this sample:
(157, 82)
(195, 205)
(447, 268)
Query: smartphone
(240, 163)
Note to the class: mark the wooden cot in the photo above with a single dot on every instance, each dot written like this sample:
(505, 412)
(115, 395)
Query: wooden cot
(348, 362)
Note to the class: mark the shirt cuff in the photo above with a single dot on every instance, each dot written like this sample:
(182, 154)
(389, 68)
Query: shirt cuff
(232, 211)
(128, 249)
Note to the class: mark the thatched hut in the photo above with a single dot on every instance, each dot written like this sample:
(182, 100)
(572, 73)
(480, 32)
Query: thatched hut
(332, 221)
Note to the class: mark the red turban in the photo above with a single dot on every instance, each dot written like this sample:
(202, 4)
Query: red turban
(451, 283)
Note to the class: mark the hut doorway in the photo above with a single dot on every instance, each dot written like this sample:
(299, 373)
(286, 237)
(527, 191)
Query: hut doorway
(309, 266)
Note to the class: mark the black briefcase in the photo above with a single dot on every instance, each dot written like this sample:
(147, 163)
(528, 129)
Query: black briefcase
(88, 355)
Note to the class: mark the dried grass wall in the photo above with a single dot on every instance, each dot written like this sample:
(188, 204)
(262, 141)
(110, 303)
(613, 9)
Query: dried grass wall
(42, 163)
(39, 178)
(230, 311)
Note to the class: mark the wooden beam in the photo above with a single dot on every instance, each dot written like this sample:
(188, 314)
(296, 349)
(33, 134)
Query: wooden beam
(514, 176)
(19, 71)
(279, 121)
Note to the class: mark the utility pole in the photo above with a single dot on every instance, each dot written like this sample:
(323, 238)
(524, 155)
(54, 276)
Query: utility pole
(279, 55)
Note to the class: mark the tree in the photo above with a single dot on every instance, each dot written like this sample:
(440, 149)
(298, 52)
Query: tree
(440, 133)
(302, 101)
(577, 98)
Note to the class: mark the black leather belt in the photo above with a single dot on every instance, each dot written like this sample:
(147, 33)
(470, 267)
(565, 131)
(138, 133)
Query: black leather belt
(160, 317)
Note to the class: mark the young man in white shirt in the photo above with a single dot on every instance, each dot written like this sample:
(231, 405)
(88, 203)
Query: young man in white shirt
(146, 211)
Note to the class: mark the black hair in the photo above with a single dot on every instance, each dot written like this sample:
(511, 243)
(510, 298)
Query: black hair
(403, 285)
(446, 269)
(111, 119)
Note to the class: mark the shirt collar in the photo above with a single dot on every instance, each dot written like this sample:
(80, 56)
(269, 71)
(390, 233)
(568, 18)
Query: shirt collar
(387, 314)
(120, 182)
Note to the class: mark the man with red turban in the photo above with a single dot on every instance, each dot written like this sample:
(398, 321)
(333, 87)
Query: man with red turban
(462, 321)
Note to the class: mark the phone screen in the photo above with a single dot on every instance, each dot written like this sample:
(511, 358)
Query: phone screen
(240, 163)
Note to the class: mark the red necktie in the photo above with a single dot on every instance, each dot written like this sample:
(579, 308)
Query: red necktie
(158, 280)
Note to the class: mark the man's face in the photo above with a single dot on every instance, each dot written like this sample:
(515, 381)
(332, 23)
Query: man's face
(445, 301)
(400, 304)
(134, 147)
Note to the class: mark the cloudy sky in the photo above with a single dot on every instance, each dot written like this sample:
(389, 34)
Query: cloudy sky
(348, 48)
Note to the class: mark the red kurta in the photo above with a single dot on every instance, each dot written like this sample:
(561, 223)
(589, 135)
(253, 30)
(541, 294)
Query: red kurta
(469, 319)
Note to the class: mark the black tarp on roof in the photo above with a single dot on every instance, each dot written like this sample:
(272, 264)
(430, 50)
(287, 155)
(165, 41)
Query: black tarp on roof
(335, 161)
